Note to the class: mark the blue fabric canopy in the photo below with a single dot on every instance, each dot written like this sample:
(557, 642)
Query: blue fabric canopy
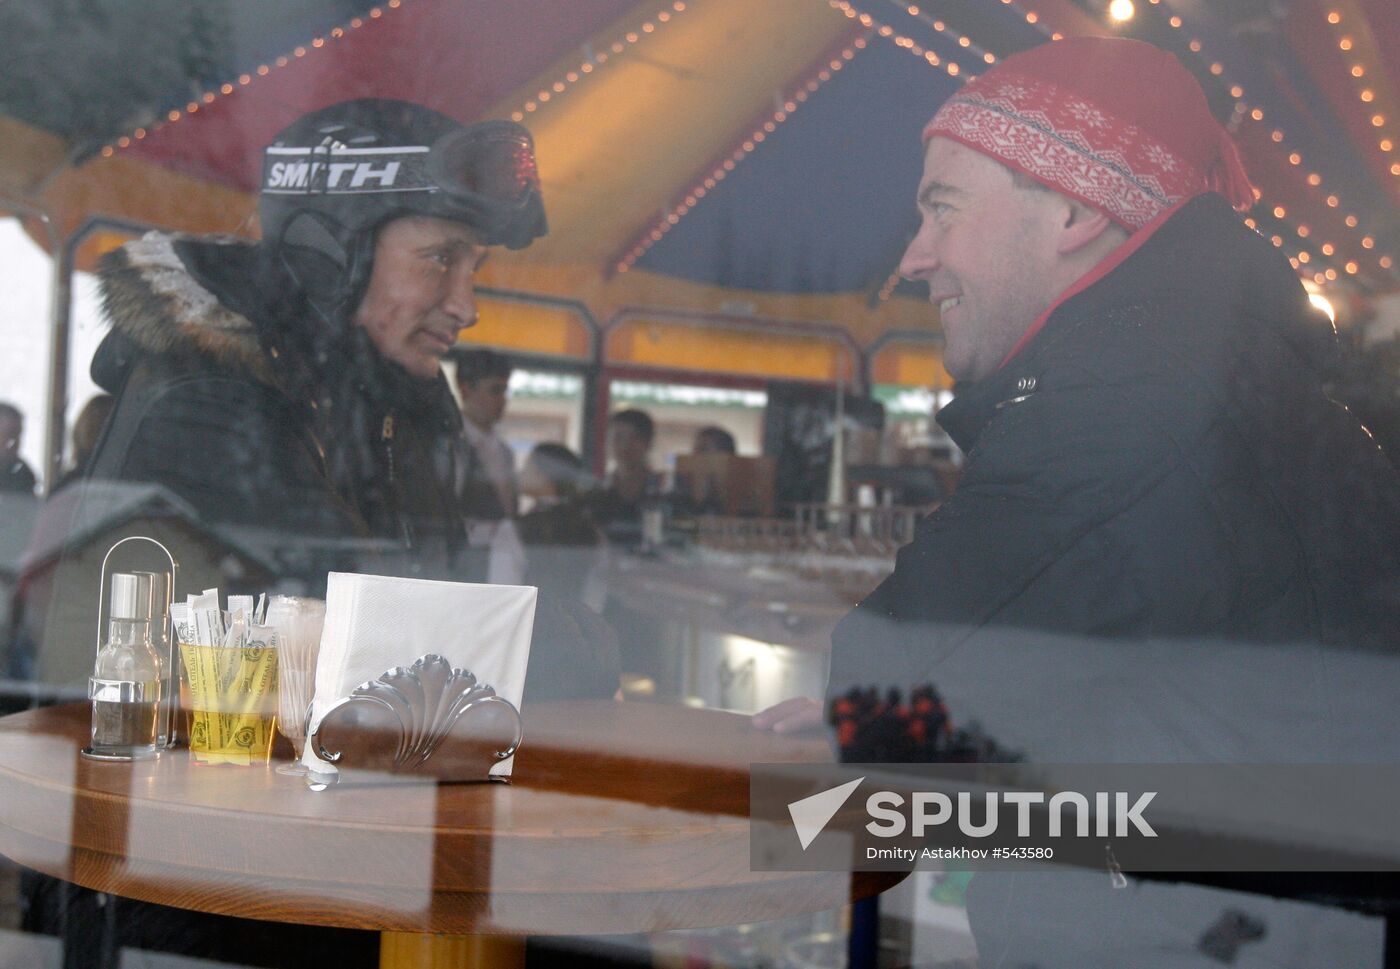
(826, 203)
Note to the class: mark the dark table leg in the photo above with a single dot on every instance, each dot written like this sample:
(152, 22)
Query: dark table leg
(863, 949)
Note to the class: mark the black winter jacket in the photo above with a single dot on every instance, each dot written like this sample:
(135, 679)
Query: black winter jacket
(258, 414)
(1159, 465)
(245, 409)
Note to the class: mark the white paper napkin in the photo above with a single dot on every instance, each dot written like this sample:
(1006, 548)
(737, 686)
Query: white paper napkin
(376, 622)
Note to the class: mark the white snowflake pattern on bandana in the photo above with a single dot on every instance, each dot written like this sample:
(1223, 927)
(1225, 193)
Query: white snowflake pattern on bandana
(1086, 114)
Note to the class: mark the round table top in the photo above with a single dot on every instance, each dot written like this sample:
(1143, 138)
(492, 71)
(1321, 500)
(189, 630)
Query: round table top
(621, 817)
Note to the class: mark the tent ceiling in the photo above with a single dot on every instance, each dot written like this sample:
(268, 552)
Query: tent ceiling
(810, 221)
(615, 152)
(827, 205)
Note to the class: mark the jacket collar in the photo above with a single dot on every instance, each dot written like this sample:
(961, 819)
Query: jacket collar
(1015, 379)
(213, 297)
(156, 303)
(1202, 261)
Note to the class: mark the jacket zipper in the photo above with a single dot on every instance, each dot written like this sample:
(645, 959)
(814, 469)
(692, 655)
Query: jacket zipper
(387, 436)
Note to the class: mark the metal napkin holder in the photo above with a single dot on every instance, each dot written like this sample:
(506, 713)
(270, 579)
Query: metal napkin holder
(428, 719)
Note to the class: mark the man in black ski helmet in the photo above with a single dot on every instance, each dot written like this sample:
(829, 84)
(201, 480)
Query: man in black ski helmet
(288, 393)
(294, 384)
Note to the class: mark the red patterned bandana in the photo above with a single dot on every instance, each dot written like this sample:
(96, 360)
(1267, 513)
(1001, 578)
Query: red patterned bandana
(1117, 124)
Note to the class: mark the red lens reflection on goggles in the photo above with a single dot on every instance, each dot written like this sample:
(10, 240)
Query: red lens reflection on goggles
(498, 165)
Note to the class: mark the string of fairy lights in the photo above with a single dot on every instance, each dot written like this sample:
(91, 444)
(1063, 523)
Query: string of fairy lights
(887, 288)
(962, 40)
(1299, 256)
(1302, 256)
(722, 170)
(1346, 43)
(1300, 252)
(1034, 19)
(594, 59)
(874, 27)
(953, 69)
(656, 232)
(1290, 238)
(175, 115)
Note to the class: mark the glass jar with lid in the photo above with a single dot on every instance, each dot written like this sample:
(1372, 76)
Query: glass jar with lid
(125, 687)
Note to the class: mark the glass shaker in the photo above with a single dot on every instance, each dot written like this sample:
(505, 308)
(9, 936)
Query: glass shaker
(125, 686)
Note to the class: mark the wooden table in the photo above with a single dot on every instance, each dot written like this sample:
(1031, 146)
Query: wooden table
(623, 817)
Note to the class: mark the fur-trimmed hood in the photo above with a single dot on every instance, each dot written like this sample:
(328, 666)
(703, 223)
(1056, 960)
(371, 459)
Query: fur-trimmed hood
(156, 304)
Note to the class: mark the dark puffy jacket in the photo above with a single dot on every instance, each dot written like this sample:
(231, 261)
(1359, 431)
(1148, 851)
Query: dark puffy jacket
(1159, 465)
(241, 406)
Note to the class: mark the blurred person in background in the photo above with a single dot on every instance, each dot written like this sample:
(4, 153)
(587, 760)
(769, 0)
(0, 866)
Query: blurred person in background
(553, 478)
(15, 475)
(617, 508)
(701, 496)
(631, 483)
(491, 491)
(87, 431)
(563, 544)
(566, 557)
(714, 439)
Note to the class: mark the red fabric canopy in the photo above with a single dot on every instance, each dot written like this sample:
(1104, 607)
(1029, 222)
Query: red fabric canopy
(458, 58)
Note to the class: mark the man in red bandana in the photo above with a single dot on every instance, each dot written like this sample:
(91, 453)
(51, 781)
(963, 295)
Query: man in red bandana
(1165, 526)
(1036, 175)
(1150, 449)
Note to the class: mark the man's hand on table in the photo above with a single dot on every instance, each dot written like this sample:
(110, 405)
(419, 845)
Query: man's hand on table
(791, 716)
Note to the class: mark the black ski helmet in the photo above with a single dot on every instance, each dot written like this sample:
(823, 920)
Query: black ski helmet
(334, 176)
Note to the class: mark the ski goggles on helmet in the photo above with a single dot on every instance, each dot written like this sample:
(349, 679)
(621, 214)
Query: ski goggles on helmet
(484, 175)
